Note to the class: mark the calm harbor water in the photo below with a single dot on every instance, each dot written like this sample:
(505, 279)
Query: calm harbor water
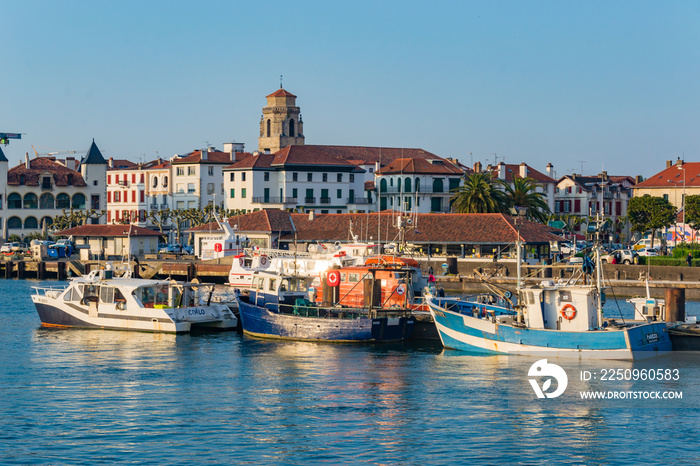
(105, 397)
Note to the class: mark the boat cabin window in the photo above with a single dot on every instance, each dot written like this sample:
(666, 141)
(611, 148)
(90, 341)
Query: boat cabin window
(343, 277)
(107, 294)
(284, 285)
(565, 296)
(298, 284)
(530, 297)
(273, 284)
(152, 296)
(90, 291)
(353, 277)
(254, 283)
(69, 295)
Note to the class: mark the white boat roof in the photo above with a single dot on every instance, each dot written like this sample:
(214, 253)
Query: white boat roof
(130, 283)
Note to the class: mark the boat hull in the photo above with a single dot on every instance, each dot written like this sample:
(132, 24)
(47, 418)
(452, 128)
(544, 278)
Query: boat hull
(67, 315)
(53, 316)
(263, 322)
(469, 333)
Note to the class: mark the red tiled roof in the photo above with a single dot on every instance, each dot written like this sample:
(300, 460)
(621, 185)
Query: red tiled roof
(367, 155)
(622, 179)
(281, 93)
(673, 176)
(63, 176)
(266, 220)
(427, 228)
(211, 157)
(253, 161)
(306, 155)
(122, 164)
(108, 230)
(438, 166)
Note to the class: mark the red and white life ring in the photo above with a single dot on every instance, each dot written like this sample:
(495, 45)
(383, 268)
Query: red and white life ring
(401, 289)
(333, 278)
(240, 261)
(568, 312)
(263, 260)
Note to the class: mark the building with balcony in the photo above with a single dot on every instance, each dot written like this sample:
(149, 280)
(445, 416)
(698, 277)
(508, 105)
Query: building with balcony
(296, 177)
(36, 191)
(583, 197)
(420, 185)
(126, 193)
(198, 178)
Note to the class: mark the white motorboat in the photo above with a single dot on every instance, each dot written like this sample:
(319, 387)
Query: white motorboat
(99, 300)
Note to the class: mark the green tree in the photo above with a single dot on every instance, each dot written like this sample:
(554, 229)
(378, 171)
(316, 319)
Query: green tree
(479, 195)
(692, 211)
(650, 213)
(522, 192)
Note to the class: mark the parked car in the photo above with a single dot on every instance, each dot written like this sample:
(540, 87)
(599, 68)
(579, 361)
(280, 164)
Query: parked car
(171, 249)
(622, 256)
(565, 248)
(648, 252)
(7, 248)
(57, 251)
(14, 248)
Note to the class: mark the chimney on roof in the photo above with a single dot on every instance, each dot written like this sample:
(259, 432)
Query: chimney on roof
(604, 175)
(204, 154)
(638, 179)
(501, 171)
(477, 167)
(26, 161)
(550, 170)
(669, 164)
(311, 215)
(523, 170)
(111, 162)
(679, 163)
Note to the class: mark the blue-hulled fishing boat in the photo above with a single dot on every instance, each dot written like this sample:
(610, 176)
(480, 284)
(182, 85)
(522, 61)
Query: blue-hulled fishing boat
(278, 306)
(562, 318)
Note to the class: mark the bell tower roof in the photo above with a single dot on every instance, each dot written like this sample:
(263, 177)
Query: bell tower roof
(2, 157)
(281, 93)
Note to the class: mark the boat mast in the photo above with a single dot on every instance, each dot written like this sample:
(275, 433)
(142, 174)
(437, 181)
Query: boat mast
(519, 213)
(598, 270)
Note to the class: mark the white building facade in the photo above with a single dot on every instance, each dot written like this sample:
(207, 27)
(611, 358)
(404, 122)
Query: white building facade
(42, 188)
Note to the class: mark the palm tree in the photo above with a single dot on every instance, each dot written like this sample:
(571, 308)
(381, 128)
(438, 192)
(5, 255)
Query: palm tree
(523, 193)
(478, 195)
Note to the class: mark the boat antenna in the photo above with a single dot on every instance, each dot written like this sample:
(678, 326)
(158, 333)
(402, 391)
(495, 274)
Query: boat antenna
(379, 214)
(598, 269)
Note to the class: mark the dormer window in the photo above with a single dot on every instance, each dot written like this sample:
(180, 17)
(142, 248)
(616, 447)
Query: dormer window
(46, 182)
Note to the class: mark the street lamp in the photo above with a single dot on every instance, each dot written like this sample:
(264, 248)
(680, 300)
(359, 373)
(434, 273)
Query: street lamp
(681, 167)
(675, 202)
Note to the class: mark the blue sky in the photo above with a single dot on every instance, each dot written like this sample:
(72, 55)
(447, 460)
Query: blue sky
(593, 85)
